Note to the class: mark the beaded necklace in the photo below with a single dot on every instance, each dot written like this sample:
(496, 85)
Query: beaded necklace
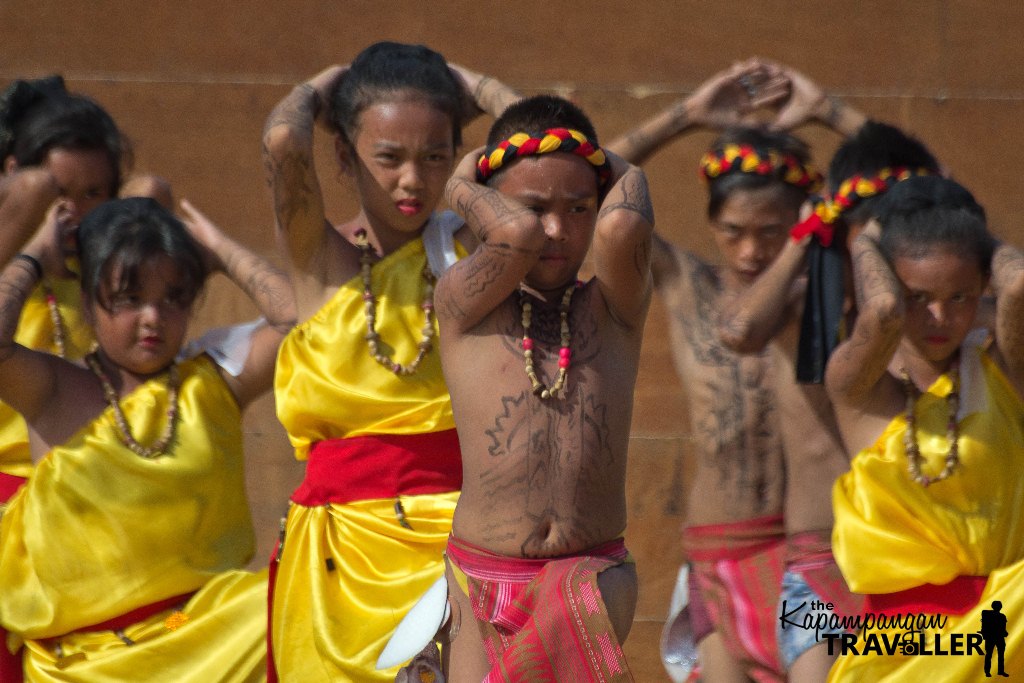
(952, 430)
(158, 448)
(59, 333)
(366, 258)
(564, 353)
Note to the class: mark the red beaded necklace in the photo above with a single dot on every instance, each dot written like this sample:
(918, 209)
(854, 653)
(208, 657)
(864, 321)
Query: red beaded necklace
(564, 352)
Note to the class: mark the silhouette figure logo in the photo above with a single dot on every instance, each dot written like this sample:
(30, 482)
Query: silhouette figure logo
(993, 631)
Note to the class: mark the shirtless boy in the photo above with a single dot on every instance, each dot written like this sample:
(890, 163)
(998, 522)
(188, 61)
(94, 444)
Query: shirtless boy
(541, 370)
(771, 315)
(735, 538)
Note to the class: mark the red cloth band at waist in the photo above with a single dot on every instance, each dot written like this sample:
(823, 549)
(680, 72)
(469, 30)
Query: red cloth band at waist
(733, 540)
(808, 550)
(380, 466)
(138, 614)
(484, 565)
(8, 485)
(956, 597)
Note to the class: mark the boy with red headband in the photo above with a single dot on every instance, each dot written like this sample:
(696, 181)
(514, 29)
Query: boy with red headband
(538, 574)
(757, 180)
(797, 310)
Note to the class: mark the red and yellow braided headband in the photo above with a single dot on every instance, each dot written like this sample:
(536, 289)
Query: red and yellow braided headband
(733, 158)
(850, 193)
(551, 140)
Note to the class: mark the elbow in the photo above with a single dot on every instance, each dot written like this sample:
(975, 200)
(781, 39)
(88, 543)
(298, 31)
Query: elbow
(282, 141)
(739, 336)
(886, 310)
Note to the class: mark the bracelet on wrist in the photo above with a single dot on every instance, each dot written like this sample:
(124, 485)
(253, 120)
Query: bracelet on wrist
(33, 262)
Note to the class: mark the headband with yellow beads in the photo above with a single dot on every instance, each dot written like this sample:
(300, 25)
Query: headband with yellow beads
(551, 140)
(733, 158)
(850, 193)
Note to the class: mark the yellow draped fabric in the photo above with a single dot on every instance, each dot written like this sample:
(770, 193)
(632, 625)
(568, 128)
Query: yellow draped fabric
(349, 572)
(99, 531)
(35, 330)
(329, 387)
(892, 534)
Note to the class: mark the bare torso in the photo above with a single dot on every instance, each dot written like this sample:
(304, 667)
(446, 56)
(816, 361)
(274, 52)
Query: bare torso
(739, 473)
(814, 451)
(543, 477)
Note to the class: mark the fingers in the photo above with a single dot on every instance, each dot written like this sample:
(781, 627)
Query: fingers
(467, 167)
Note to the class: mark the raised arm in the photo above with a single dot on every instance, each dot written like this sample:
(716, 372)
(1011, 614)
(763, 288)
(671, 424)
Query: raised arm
(749, 322)
(622, 244)
(291, 173)
(265, 285)
(808, 101)
(511, 238)
(1008, 284)
(25, 197)
(858, 364)
(483, 94)
(729, 98)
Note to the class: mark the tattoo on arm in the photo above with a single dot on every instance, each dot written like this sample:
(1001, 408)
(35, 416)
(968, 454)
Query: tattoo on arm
(297, 111)
(635, 197)
(874, 276)
(16, 284)
(267, 286)
(481, 206)
(494, 96)
(834, 113)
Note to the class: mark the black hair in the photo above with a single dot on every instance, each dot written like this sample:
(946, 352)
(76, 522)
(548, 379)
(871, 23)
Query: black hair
(763, 141)
(925, 212)
(386, 69)
(126, 233)
(41, 115)
(536, 114)
(873, 147)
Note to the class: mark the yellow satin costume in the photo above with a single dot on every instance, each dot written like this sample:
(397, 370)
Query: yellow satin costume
(349, 572)
(36, 331)
(98, 532)
(892, 534)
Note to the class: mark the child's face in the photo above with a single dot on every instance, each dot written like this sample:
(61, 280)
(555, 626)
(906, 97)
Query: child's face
(561, 188)
(751, 228)
(403, 156)
(141, 329)
(941, 291)
(85, 178)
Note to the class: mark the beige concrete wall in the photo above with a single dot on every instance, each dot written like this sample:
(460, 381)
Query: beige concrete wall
(192, 82)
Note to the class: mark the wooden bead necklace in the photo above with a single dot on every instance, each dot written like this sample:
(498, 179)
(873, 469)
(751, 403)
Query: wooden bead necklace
(59, 332)
(160, 446)
(366, 258)
(564, 353)
(913, 451)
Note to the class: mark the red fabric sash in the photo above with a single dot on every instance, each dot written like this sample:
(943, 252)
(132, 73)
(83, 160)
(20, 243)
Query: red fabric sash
(958, 596)
(484, 565)
(10, 664)
(9, 484)
(138, 614)
(544, 620)
(380, 466)
(733, 540)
